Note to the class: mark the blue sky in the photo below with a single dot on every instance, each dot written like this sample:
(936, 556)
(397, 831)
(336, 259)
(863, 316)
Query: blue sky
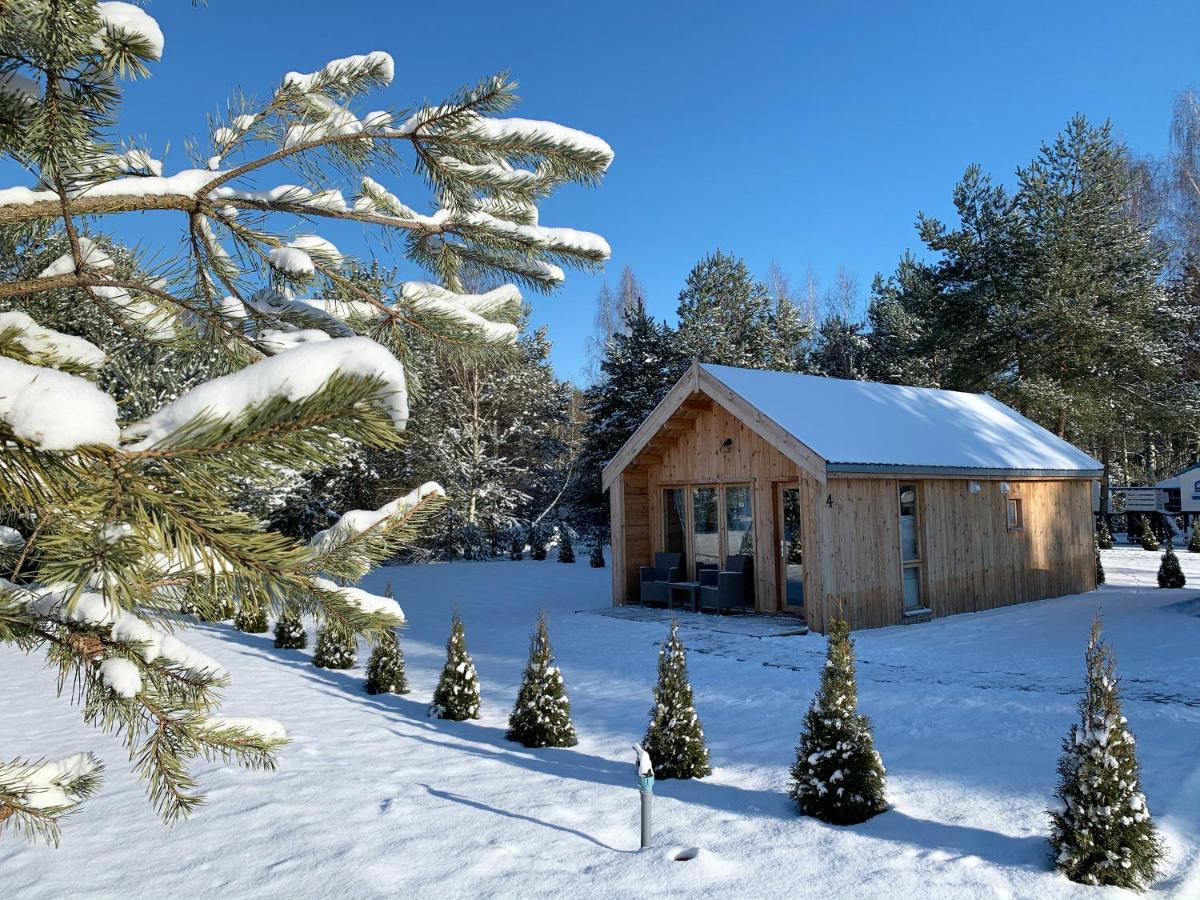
(805, 133)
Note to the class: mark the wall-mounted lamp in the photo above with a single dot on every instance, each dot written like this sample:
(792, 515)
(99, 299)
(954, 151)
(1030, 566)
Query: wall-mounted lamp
(726, 445)
(1004, 487)
(973, 487)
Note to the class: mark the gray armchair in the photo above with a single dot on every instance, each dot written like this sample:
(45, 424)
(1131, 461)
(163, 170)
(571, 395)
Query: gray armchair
(654, 579)
(730, 588)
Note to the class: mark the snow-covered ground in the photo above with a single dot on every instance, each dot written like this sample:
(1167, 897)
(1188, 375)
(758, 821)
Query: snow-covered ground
(375, 799)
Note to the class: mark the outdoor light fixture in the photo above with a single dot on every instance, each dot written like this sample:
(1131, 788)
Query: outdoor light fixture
(726, 445)
(973, 487)
(1004, 487)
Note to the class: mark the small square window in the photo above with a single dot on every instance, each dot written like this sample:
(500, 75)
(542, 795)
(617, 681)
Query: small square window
(1016, 516)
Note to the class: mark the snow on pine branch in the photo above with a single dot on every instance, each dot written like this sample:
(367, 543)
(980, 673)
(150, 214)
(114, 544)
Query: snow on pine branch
(54, 410)
(371, 604)
(465, 309)
(93, 256)
(359, 521)
(51, 785)
(119, 22)
(293, 376)
(45, 346)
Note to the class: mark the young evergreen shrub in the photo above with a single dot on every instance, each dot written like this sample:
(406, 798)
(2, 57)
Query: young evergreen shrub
(1193, 544)
(1104, 538)
(1170, 575)
(1101, 831)
(516, 546)
(541, 717)
(336, 648)
(457, 693)
(1149, 538)
(596, 557)
(289, 631)
(566, 550)
(537, 543)
(250, 619)
(1100, 577)
(675, 738)
(385, 668)
(223, 612)
(838, 777)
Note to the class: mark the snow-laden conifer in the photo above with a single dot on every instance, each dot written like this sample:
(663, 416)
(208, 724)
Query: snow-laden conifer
(566, 550)
(541, 717)
(838, 776)
(250, 618)
(385, 668)
(457, 694)
(289, 631)
(1170, 574)
(1101, 829)
(1104, 538)
(1148, 537)
(1100, 577)
(516, 546)
(1193, 544)
(537, 543)
(675, 737)
(596, 557)
(336, 647)
(138, 494)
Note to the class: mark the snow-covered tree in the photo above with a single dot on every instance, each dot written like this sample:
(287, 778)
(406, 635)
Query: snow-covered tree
(838, 776)
(336, 647)
(541, 717)
(596, 557)
(1100, 576)
(289, 631)
(1104, 538)
(537, 542)
(1170, 574)
(566, 550)
(128, 512)
(1101, 829)
(516, 546)
(457, 694)
(674, 738)
(1193, 544)
(250, 618)
(385, 668)
(1148, 537)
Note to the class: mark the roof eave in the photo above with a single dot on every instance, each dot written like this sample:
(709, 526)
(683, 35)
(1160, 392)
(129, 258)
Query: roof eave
(834, 468)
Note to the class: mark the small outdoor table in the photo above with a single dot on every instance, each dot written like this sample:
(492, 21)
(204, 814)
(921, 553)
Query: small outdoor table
(689, 587)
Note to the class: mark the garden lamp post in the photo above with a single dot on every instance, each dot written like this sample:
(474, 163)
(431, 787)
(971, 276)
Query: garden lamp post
(645, 774)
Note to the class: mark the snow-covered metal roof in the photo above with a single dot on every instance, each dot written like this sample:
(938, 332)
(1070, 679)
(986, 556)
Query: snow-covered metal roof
(862, 426)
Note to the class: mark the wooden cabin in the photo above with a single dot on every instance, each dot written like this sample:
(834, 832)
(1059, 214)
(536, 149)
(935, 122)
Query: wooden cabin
(882, 503)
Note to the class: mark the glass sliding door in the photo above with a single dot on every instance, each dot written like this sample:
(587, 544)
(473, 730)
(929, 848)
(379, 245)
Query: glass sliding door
(791, 549)
(706, 528)
(675, 522)
(739, 520)
(910, 548)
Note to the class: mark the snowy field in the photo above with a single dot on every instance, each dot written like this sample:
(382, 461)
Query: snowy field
(375, 799)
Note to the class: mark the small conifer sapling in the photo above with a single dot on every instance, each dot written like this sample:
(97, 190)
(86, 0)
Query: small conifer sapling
(675, 737)
(385, 668)
(1149, 538)
(541, 716)
(516, 547)
(596, 557)
(1104, 538)
(251, 618)
(1170, 575)
(289, 631)
(838, 776)
(457, 694)
(335, 649)
(537, 543)
(1101, 832)
(1100, 577)
(566, 550)
(1194, 539)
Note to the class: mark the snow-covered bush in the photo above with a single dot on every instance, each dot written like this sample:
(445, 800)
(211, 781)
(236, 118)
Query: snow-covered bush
(516, 546)
(1100, 577)
(1193, 544)
(336, 647)
(1148, 537)
(457, 694)
(538, 540)
(136, 509)
(1101, 830)
(385, 668)
(1170, 575)
(566, 550)
(289, 631)
(596, 557)
(1104, 538)
(541, 716)
(675, 738)
(838, 776)
(250, 618)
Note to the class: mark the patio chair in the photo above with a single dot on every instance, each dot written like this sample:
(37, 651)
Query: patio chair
(667, 567)
(730, 588)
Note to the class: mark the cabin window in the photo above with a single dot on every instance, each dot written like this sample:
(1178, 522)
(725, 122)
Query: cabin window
(1016, 515)
(674, 520)
(739, 520)
(910, 548)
